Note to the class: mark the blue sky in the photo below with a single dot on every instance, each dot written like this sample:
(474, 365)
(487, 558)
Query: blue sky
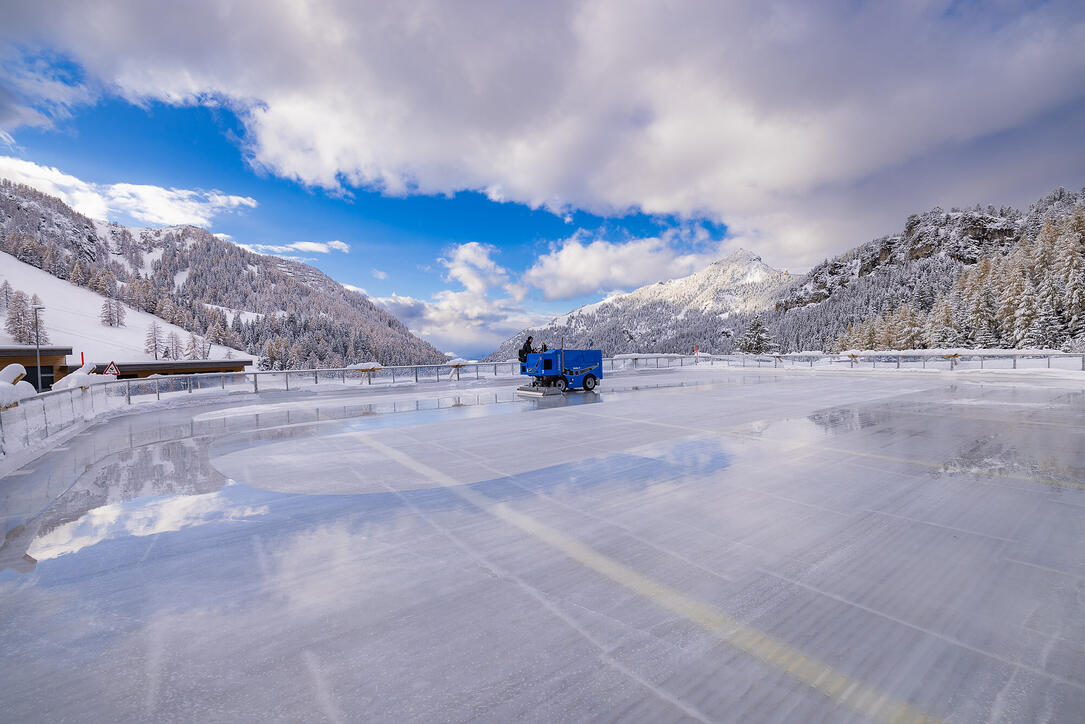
(478, 170)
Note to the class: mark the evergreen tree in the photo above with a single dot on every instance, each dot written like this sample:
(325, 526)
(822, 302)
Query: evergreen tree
(756, 339)
(38, 334)
(173, 345)
(984, 321)
(19, 323)
(1025, 332)
(5, 294)
(1047, 328)
(152, 341)
(941, 328)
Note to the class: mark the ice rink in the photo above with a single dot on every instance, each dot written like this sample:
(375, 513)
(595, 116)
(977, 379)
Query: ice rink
(706, 545)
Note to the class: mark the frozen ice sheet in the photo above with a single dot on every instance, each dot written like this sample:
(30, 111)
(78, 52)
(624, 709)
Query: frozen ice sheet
(714, 546)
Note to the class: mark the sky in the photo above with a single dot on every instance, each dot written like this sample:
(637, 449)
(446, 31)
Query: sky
(478, 168)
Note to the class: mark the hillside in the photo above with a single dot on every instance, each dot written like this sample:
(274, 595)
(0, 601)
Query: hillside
(71, 318)
(287, 313)
(979, 277)
(670, 315)
(921, 267)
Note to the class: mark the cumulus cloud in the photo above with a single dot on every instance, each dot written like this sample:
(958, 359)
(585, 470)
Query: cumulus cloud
(353, 288)
(474, 318)
(150, 204)
(582, 265)
(314, 247)
(378, 274)
(782, 119)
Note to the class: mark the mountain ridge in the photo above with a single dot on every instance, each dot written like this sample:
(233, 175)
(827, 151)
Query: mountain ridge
(186, 276)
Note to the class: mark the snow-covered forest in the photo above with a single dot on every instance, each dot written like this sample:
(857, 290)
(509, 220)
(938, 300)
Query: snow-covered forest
(288, 313)
(979, 277)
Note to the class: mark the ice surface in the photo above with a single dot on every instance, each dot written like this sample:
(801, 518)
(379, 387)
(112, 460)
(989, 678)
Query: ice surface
(682, 545)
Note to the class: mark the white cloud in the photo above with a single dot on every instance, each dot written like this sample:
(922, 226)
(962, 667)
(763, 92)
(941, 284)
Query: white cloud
(470, 319)
(314, 247)
(151, 204)
(353, 288)
(378, 274)
(581, 265)
(806, 126)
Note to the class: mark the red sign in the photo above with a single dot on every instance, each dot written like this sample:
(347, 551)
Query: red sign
(111, 369)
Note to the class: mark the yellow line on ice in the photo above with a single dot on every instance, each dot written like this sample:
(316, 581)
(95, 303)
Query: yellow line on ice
(850, 692)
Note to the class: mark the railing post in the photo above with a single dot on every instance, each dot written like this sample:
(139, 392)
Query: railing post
(190, 381)
(898, 361)
(1049, 361)
(1014, 358)
(495, 370)
(416, 373)
(157, 388)
(222, 379)
(344, 377)
(3, 441)
(286, 377)
(255, 383)
(44, 414)
(316, 380)
(128, 391)
(1083, 363)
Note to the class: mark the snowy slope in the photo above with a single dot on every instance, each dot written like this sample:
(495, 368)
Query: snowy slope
(645, 319)
(71, 319)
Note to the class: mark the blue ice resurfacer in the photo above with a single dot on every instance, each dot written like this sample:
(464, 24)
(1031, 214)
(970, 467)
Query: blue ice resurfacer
(557, 370)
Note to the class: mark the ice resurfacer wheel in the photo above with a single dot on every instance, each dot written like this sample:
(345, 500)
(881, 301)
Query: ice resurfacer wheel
(561, 383)
(589, 383)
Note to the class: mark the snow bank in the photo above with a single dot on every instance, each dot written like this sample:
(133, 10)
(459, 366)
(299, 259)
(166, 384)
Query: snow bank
(82, 377)
(12, 373)
(458, 362)
(13, 388)
(366, 366)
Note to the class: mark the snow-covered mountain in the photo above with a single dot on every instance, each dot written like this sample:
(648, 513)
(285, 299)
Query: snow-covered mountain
(283, 311)
(915, 267)
(670, 315)
(941, 260)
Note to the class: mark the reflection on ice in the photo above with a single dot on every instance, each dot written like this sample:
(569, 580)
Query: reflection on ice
(140, 517)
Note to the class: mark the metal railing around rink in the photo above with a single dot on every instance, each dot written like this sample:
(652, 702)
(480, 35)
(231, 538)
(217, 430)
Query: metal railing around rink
(36, 419)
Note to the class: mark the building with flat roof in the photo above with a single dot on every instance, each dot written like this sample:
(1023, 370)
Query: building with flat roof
(134, 370)
(54, 362)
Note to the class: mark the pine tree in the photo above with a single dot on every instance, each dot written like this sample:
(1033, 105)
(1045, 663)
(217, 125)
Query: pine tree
(1075, 303)
(173, 345)
(984, 321)
(941, 329)
(756, 339)
(1024, 330)
(19, 323)
(106, 316)
(38, 333)
(1047, 329)
(76, 275)
(5, 294)
(194, 347)
(153, 339)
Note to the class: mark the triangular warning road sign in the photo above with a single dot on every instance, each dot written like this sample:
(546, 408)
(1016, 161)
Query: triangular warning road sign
(111, 369)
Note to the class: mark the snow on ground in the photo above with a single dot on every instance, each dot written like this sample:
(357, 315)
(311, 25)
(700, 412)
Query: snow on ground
(71, 318)
(736, 545)
(246, 317)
